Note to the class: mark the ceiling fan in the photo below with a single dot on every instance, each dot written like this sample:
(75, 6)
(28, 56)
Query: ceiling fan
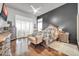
(35, 10)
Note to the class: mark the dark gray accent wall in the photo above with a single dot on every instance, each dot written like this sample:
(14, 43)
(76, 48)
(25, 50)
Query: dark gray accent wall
(65, 16)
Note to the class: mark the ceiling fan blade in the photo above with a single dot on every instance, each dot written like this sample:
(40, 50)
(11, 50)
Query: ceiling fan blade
(32, 7)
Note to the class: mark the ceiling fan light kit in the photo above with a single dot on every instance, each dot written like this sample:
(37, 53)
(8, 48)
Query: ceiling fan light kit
(35, 10)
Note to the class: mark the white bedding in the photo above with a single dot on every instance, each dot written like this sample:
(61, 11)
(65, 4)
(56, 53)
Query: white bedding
(65, 48)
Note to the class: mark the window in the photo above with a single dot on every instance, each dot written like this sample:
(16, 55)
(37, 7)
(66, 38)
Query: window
(40, 21)
(23, 26)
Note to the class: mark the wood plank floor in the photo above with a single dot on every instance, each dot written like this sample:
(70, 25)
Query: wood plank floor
(37, 51)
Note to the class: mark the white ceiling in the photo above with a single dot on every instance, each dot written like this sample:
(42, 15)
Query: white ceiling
(45, 7)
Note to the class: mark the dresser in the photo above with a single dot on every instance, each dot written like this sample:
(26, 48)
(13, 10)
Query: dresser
(5, 39)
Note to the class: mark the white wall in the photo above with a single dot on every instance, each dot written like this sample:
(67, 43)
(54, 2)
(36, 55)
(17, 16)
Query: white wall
(0, 7)
(78, 25)
(13, 12)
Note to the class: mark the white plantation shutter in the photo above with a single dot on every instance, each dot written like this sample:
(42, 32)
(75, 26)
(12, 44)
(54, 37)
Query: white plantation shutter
(40, 23)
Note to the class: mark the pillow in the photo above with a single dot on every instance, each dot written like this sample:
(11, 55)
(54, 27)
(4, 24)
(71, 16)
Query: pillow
(54, 33)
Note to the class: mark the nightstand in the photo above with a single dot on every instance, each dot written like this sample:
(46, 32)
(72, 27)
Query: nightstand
(64, 37)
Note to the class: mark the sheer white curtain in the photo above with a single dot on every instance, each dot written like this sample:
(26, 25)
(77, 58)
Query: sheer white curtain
(23, 26)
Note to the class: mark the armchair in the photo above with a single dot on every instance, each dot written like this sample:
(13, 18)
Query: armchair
(37, 38)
